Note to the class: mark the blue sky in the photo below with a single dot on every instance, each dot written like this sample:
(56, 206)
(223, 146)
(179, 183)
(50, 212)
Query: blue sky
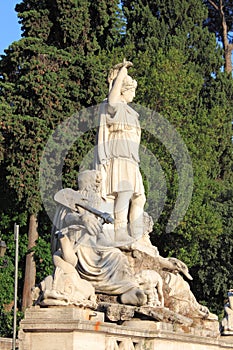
(9, 26)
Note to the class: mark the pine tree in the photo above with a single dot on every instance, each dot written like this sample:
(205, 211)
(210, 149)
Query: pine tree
(220, 22)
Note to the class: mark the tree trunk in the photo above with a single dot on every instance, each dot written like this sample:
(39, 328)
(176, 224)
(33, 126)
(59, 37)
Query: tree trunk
(228, 48)
(226, 45)
(228, 58)
(30, 269)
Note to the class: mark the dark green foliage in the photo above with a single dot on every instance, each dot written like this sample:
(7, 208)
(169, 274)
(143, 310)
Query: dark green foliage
(9, 214)
(24, 143)
(216, 268)
(83, 26)
(156, 25)
(7, 297)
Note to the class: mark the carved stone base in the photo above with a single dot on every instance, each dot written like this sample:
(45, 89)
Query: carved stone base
(158, 316)
(72, 328)
(6, 343)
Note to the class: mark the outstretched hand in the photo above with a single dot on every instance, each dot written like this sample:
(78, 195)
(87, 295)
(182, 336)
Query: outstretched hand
(114, 71)
(125, 64)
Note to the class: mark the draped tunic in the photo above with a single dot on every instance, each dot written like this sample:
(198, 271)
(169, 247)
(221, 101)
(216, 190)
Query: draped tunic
(118, 149)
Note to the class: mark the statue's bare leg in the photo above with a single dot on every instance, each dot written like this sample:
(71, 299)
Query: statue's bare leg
(136, 215)
(121, 210)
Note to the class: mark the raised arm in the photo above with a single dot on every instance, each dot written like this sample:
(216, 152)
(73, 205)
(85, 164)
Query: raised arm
(115, 93)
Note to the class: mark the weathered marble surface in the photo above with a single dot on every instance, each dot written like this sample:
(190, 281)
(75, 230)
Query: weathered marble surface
(102, 254)
(71, 328)
(118, 154)
(6, 343)
(133, 274)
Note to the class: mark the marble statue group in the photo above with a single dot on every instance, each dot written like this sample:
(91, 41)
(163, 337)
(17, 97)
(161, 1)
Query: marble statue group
(100, 239)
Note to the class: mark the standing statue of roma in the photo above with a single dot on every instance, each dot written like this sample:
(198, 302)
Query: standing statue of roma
(118, 154)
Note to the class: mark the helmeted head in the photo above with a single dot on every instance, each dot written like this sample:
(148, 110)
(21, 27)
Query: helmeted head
(128, 84)
(128, 89)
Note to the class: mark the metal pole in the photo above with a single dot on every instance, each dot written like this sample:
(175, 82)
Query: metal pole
(16, 237)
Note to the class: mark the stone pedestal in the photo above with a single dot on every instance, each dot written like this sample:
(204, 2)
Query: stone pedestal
(6, 344)
(71, 328)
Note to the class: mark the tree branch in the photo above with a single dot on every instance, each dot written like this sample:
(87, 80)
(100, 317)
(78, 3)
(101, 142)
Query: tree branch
(214, 5)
